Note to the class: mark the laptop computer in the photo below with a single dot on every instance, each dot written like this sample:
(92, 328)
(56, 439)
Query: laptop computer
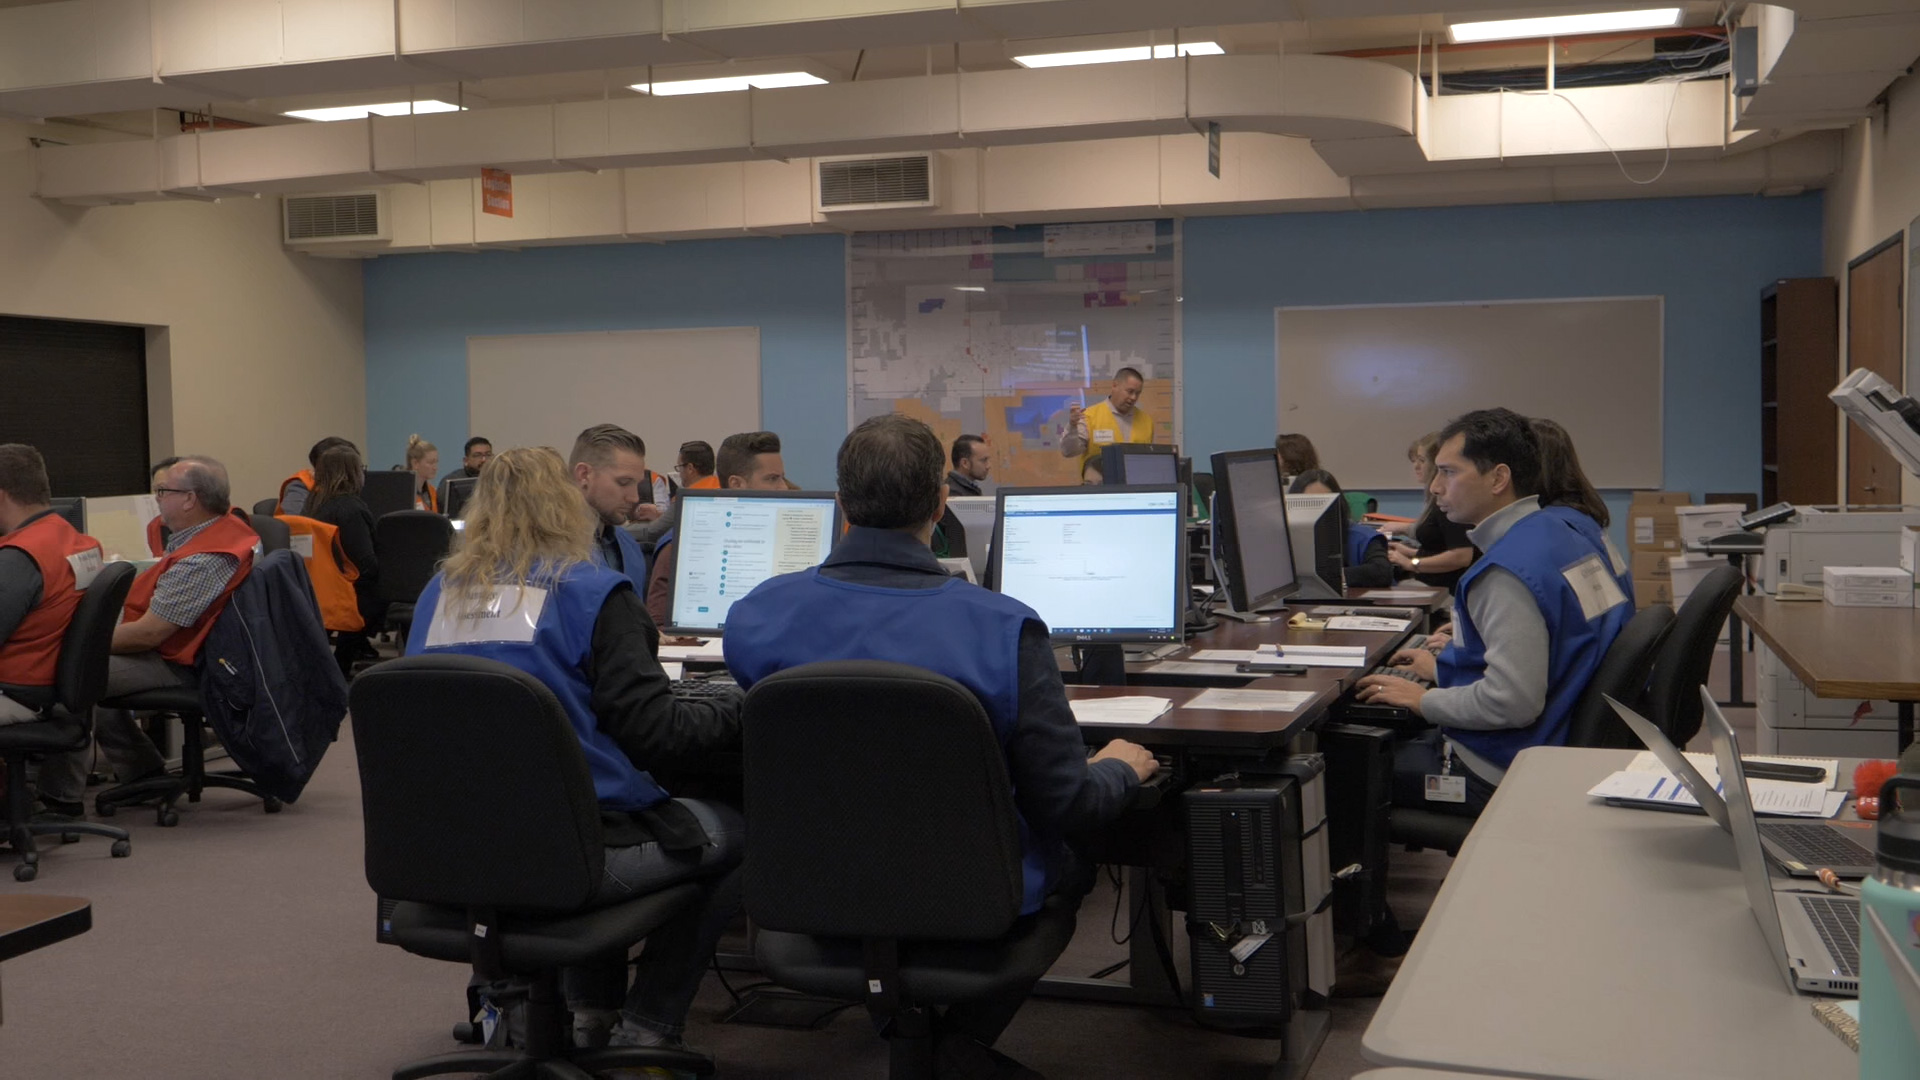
(1814, 936)
(1800, 848)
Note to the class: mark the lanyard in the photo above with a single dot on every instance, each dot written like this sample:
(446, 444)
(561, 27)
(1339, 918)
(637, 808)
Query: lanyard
(1446, 757)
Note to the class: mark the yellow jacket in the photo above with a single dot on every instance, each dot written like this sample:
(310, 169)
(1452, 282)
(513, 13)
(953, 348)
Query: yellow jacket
(1103, 429)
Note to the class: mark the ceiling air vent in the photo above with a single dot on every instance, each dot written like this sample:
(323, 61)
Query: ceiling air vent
(891, 182)
(326, 219)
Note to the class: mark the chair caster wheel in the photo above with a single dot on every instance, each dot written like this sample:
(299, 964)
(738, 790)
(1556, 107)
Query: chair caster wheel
(272, 804)
(69, 837)
(105, 809)
(121, 849)
(25, 872)
(168, 817)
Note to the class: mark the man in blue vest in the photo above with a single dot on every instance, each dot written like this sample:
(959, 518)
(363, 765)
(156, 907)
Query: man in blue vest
(882, 595)
(610, 465)
(1532, 621)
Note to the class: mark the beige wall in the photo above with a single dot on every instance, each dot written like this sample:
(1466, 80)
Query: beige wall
(254, 353)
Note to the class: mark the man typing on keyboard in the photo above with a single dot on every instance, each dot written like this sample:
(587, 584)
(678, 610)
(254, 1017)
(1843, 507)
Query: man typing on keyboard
(1533, 618)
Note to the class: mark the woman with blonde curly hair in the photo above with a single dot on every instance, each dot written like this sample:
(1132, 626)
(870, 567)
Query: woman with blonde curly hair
(523, 589)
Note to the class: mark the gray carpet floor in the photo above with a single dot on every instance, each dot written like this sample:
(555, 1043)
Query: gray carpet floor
(241, 945)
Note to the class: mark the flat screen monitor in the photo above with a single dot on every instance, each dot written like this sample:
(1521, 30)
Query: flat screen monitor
(74, 510)
(730, 541)
(1098, 564)
(1134, 464)
(390, 491)
(1252, 543)
(977, 515)
(458, 491)
(1317, 530)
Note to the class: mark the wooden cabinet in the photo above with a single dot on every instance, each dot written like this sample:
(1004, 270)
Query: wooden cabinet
(1799, 363)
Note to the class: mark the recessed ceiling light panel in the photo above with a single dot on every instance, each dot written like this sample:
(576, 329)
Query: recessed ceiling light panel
(1115, 56)
(1563, 25)
(361, 112)
(775, 81)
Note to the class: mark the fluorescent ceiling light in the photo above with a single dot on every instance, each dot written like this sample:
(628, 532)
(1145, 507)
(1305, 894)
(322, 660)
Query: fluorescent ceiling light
(360, 112)
(1114, 56)
(969, 288)
(774, 81)
(1564, 25)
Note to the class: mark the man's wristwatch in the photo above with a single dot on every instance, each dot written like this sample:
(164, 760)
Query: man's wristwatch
(1416, 564)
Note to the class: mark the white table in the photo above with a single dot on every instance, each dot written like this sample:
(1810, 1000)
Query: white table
(1574, 939)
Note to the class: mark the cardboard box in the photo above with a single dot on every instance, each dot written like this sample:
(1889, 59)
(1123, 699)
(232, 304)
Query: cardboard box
(1866, 578)
(1688, 571)
(1700, 523)
(1650, 591)
(1651, 565)
(1661, 498)
(1653, 528)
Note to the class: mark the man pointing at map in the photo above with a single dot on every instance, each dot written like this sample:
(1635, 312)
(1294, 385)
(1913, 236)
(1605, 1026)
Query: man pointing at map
(1115, 420)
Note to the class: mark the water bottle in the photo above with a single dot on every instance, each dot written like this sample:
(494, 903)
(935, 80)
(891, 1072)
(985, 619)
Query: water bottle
(1889, 1044)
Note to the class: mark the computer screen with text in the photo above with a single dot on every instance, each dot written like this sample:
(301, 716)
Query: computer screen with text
(731, 541)
(1097, 564)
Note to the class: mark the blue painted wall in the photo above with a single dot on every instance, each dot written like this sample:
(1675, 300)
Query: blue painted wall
(1708, 257)
(420, 309)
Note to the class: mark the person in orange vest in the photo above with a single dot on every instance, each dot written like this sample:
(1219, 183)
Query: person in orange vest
(295, 489)
(44, 567)
(170, 608)
(336, 501)
(423, 461)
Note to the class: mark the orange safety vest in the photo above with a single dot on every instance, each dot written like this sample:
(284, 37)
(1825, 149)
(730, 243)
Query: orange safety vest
(68, 561)
(429, 502)
(305, 476)
(332, 573)
(155, 542)
(706, 482)
(224, 535)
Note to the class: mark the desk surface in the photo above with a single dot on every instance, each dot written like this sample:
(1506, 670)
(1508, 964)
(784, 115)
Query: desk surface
(1841, 652)
(1223, 729)
(1574, 939)
(29, 922)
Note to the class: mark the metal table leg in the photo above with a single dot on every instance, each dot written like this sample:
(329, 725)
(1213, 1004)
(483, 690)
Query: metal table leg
(1736, 658)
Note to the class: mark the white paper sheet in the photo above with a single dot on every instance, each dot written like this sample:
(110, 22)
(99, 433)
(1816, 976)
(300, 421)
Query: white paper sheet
(1367, 622)
(708, 649)
(1251, 700)
(1769, 797)
(1646, 762)
(673, 668)
(1119, 710)
(1226, 656)
(1186, 667)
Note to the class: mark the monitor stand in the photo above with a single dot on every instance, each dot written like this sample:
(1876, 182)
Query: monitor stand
(1103, 665)
(1264, 615)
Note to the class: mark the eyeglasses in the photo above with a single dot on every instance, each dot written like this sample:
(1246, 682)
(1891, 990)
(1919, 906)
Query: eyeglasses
(159, 491)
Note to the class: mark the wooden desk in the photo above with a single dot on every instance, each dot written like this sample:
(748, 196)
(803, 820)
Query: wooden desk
(1216, 729)
(1239, 636)
(1844, 652)
(29, 922)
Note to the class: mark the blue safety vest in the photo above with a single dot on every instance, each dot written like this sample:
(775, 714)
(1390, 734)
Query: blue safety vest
(635, 560)
(555, 652)
(1541, 549)
(1595, 535)
(1359, 539)
(807, 618)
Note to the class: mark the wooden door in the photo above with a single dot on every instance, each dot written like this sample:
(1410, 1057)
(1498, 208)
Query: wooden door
(1873, 341)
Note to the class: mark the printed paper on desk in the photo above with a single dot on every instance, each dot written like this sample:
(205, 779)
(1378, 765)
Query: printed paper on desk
(1119, 710)
(1251, 700)
(1404, 596)
(1646, 762)
(1769, 797)
(1226, 656)
(1367, 622)
(1185, 667)
(708, 649)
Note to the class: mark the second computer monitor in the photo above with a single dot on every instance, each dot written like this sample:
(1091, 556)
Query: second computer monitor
(1317, 529)
(1098, 564)
(458, 491)
(1252, 542)
(1139, 463)
(730, 541)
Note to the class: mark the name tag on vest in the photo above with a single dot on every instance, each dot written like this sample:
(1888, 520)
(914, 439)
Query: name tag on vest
(510, 615)
(1102, 437)
(1592, 581)
(86, 566)
(301, 544)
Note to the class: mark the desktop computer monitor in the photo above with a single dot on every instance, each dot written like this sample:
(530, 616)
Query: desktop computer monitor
(1252, 543)
(1100, 565)
(1317, 530)
(74, 510)
(1134, 464)
(730, 541)
(459, 490)
(389, 492)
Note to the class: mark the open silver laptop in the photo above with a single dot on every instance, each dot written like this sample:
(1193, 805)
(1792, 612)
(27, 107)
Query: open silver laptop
(1800, 848)
(1814, 936)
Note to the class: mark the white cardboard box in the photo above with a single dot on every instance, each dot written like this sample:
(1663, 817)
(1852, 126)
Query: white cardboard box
(1688, 571)
(1902, 597)
(1866, 578)
(1910, 550)
(1698, 523)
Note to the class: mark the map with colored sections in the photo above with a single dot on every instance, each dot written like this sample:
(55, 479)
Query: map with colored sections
(998, 331)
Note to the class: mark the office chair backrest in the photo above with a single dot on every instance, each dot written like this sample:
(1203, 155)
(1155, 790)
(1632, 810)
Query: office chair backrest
(473, 786)
(266, 507)
(80, 675)
(879, 805)
(1673, 696)
(1622, 675)
(411, 544)
(274, 534)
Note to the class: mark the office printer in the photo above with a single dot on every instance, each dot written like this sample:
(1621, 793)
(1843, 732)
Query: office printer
(1797, 550)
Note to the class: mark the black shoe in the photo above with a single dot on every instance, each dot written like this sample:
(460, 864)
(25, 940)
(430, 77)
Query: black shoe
(958, 1057)
(51, 810)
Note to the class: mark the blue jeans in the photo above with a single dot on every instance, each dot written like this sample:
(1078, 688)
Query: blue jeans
(676, 955)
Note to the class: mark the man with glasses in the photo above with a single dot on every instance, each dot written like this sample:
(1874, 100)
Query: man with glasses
(694, 466)
(169, 610)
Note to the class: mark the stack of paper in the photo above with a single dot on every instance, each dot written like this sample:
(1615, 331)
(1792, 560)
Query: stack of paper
(1367, 622)
(1251, 700)
(1342, 656)
(1119, 710)
(1647, 762)
(1769, 796)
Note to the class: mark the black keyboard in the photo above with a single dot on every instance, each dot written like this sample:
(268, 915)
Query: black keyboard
(1406, 673)
(1838, 922)
(700, 689)
(1817, 845)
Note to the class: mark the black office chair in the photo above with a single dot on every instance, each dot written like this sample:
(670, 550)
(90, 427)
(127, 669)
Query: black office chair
(1673, 695)
(1623, 670)
(480, 812)
(411, 544)
(915, 880)
(274, 534)
(66, 723)
(266, 507)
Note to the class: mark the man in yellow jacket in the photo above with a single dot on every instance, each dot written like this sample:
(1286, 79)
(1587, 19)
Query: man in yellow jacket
(1115, 420)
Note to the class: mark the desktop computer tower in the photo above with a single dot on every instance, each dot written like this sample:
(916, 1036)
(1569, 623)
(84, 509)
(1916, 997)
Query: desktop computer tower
(1359, 798)
(1258, 853)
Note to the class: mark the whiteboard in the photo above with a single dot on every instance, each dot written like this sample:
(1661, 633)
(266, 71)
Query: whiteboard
(1363, 382)
(666, 386)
